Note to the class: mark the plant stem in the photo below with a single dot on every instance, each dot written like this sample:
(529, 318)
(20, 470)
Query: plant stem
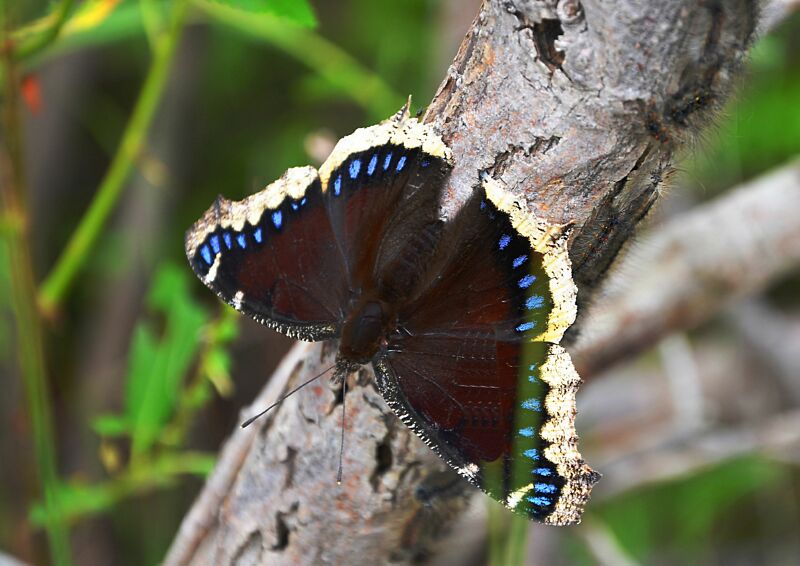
(336, 66)
(508, 536)
(74, 256)
(33, 45)
(23, 295)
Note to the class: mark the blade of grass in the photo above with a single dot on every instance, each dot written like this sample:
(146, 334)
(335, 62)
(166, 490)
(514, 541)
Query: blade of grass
(517, 541)
(508, 536)
(23, 294)
(74, 255)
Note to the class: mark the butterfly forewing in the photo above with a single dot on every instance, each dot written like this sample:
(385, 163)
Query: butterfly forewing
(296, 255)
(264, 255)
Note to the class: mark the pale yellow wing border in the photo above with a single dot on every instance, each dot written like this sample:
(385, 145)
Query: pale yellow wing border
(550, 241)
(400, 130)
(557, 371)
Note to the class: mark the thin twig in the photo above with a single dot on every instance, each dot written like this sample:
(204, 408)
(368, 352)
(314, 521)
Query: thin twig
(34, 44)
(775, 438)
(73, 257)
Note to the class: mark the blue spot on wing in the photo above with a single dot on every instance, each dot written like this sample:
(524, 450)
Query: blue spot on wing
(526, 281)
(295, 206)
(505, 239)
(534, 302)
(302, 202)
(531, 453)
(355, 167)
(531, 404)
(206, 253)
(544, 472)
(527, 432)
(387, 161)
(241, 239)
(401, 163)
(372, 164)
(525, 326)
(544, 488)
(337, 186)
(540, 501)
(257, 234)
(277, 219)
(228, 240)
(520, 260)
(214, 241)
(426, 162)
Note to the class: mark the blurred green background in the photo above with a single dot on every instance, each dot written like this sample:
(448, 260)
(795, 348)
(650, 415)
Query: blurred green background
(145, 372)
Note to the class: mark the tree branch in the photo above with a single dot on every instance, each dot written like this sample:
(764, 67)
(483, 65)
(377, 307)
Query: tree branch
(688, 269)
(578, 109)
(777, 437)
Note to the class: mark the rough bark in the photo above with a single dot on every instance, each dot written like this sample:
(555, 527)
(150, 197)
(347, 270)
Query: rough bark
(578, 108)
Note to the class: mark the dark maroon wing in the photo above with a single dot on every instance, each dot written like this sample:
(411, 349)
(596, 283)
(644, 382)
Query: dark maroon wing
(296, 255)
(382, 184)
(274, 256)
(475, 368)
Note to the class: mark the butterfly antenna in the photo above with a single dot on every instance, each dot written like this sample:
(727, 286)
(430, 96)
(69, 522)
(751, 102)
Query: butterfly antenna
(249, 421)
(341, 446)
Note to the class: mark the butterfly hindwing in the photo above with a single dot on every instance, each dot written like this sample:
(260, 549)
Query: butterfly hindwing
(473, 365)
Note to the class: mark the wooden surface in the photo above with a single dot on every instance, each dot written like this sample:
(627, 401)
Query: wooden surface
(578, 108)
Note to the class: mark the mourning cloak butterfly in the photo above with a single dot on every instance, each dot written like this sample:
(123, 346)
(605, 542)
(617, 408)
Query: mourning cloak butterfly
(461, 319)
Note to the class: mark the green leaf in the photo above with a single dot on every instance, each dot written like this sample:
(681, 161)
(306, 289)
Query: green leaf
(111, 425)
(296, 11)
(228, 326)
(77, 500)
(157, 365)
(681, 515)
(98, 22)
(217, 366)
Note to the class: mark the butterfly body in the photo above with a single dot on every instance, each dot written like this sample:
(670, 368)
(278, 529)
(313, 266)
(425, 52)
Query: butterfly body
(460, 319)
(364, 332)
